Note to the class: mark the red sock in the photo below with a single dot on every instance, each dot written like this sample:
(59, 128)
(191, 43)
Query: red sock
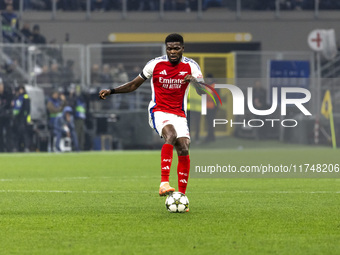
(183, 169)
(166, 157)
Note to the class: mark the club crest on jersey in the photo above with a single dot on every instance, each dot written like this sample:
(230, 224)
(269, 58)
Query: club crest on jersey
(182, 73)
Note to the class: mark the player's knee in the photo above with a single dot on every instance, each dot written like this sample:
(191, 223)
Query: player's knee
(183, 151)
(183, 148)
(170, 137)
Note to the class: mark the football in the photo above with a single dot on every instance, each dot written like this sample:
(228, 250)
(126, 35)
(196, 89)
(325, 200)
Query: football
(177, 202)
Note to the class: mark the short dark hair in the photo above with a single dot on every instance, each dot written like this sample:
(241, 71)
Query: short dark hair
(174, 38)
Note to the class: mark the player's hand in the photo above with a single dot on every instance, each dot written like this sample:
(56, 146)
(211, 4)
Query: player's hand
(189, 78)
(104, 93)
(192, 80)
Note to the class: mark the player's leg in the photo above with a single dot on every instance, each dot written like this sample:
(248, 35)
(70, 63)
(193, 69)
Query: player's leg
(169, 134)
(183, 167)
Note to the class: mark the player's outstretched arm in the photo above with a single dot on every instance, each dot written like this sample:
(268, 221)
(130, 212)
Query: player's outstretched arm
(125, 88)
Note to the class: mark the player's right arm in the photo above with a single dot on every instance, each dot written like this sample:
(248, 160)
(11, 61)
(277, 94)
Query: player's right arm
(125, 88)
(134, 84)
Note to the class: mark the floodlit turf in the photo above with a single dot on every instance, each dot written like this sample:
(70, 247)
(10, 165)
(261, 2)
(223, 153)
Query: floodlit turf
(108, 203)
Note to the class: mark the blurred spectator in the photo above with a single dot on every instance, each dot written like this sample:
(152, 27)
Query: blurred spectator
(180, 5)
(6, 97)
(53, 50)
(55, 76)
(37, 38)
(4, 3)
(68, 5)
(114, 5)
(27, 4)
(10, 25)
(193, 5)
(329, 4)
(43, 77)
(14, 76)
(78, 101)
(37, 4)
(95, 75)
(264, 5)
(27, 33)
(136, 70)
(173, 5)
(98, 5)
(55, 105)
(106, 77)
(297, 4)
(119, 74)
(211, 3)
(169, 5)
(64, 127)
(308, 4)
(21, 120)
(126, 101)
(68, 74)
(150, 5)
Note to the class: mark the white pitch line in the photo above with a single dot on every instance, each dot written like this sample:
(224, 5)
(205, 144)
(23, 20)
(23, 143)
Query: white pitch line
(138, 192)
(76, 178)
(272, 192)
(64, 191)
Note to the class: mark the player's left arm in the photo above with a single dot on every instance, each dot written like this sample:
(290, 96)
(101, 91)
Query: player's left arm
(195, 77)
(195, 82)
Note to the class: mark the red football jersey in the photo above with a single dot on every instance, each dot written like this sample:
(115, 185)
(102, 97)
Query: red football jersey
(169, 91)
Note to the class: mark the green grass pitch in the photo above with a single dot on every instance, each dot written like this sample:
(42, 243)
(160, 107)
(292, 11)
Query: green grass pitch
(108, 203)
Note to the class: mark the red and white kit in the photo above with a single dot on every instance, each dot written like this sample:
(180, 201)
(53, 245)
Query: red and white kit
(169, 92)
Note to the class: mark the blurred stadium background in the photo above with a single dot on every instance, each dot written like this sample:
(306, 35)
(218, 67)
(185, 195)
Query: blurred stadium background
(77, 47)
(107, 202)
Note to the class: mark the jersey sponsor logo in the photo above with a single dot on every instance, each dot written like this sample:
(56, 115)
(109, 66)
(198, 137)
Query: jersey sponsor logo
(182, 73)
(163, 72)
(170, 80)
(171, 83)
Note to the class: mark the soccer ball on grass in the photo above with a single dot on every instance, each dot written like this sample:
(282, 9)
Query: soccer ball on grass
(177, 202)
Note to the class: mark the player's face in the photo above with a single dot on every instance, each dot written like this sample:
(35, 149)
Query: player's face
(174, 50)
